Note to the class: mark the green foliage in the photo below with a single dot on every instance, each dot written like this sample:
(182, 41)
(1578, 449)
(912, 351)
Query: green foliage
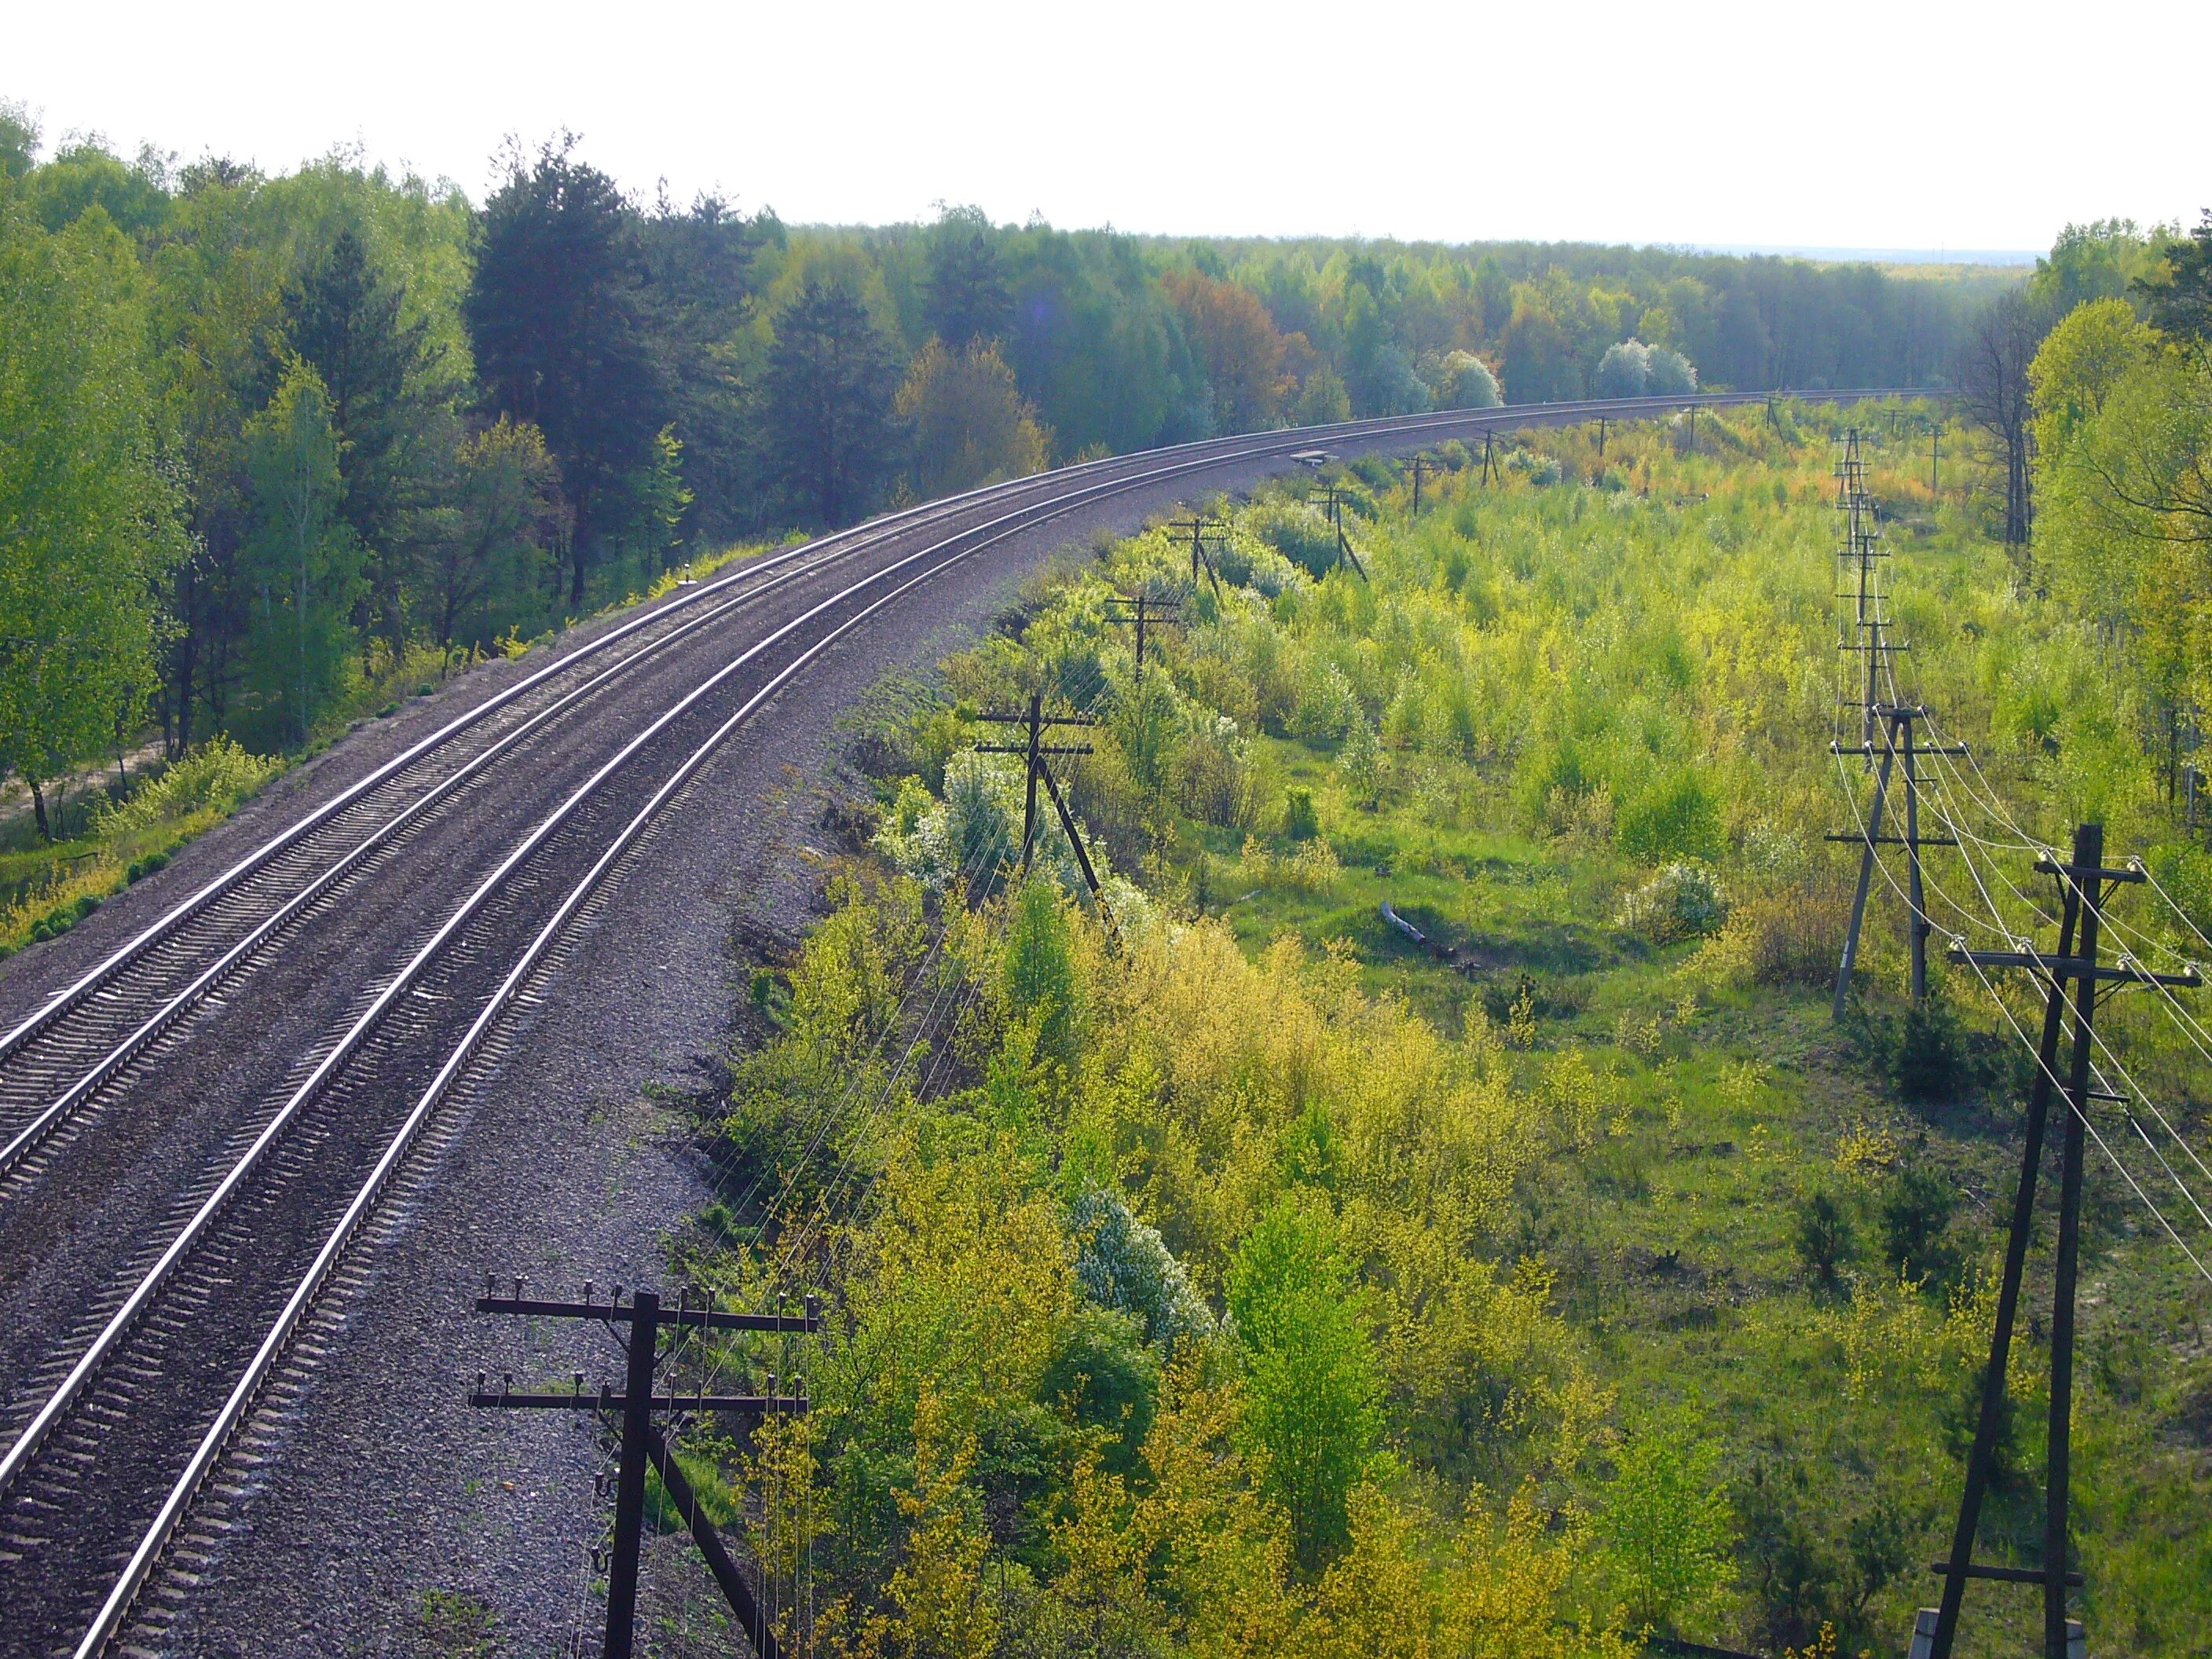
(1042, 987)
(1667, 1528)
(1300, 820)
(1824, 1238)
(1310, 1376)
(208, 782)
(88, 526)
(1675, 816)
(1915, 1216)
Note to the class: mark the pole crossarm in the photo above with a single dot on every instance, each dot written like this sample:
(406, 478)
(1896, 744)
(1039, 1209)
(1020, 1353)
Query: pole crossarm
(1042, 749)
(2003, 1575)
(694, 1318)
(1880, 749)
(757, 1404)
(1017, 719)
(1850, 839)
(2125, 970)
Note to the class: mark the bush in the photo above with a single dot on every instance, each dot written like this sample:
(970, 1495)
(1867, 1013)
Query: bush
(1823, 1238)
(1300, 820)
(1467, 383)
(1683, 901)
(1916, 1217)
(1675, 818)
(1214, 777)
(1122, 1263)
(1624, 370)
(1301, 534)
(212, 779)
(1672, 375)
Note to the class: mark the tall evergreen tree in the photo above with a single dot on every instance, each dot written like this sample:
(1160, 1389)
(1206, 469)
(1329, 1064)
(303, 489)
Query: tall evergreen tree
(557, 315)
(831, 379)
(343, 317)
(968, 296)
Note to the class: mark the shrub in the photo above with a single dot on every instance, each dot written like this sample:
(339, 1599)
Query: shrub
(1313, 1388)
(1301, 534)
(1823, 1237)
(1122, 1263)
(1625, 371)
(1671, 373)
(1685, 900)
(1467, 383)
(1916, 1217)
(212, 779)
(1676, 817)
(1214, 776)
(1300, 820)
(1668, 1530)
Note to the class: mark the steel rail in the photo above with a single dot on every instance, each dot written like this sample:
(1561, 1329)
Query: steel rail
(836, 545)
(210, 1449)
(58, 1109)
(1181, 459)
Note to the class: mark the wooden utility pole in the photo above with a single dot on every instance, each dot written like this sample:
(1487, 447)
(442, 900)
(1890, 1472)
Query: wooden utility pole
(1489, 466)
(2083, 881)
(1332, 497)
(1142, 612)
(1601, 437)
(1200, 530)
(642, 1444)
(1036, 754)
(1420, 463)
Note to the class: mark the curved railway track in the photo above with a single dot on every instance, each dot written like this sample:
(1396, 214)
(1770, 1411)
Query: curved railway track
(122, 1422)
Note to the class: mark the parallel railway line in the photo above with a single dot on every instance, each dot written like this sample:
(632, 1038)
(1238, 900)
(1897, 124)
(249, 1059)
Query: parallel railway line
(134, 1411)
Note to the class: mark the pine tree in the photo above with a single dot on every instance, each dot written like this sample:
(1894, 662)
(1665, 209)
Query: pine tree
(830, 382)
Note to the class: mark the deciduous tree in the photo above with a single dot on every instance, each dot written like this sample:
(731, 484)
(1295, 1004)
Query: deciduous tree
(88, 514)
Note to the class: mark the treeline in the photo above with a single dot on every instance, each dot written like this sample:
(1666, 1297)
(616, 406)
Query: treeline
(273, 442)
(2114, 408)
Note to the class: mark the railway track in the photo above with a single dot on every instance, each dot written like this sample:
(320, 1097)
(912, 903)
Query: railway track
(131, 1414)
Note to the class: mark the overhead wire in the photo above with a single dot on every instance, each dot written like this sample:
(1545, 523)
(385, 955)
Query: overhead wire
(1945, 812)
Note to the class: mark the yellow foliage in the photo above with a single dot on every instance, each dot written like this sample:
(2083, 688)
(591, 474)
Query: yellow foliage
(939, 1587)
(1247, 1051)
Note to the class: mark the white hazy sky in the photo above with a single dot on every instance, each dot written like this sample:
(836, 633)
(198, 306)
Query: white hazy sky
(1891, 123)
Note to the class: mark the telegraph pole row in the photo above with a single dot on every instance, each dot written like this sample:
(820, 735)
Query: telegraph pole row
(643, 1445)
(1887, 732)
(2083, 881)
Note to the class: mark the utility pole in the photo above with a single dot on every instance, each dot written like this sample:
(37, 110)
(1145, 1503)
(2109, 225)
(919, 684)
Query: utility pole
(1887, 732)
(1201, 530)
(1420, 464)
(1601, 437)
(2082, 882)
(1334, 497)
(1037, 753)
(1489, 467)
(1935, 456)
(1141, 613)
(642, 1444)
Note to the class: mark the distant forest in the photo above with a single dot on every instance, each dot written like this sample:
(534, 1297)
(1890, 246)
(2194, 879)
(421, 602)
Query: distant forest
(271, 439)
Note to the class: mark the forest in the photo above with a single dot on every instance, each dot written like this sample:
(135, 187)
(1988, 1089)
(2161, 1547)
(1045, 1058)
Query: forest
(1422, 1205)
(283, 446)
